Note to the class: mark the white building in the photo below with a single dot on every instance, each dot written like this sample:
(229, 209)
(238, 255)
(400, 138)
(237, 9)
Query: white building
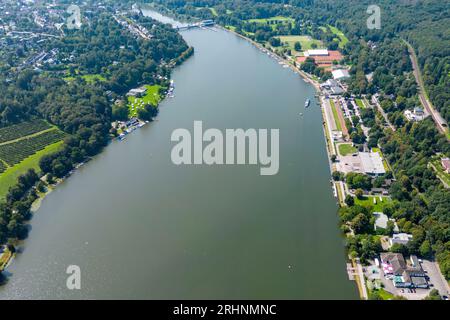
(340, 74)
(416, 115)
(372, 164)
(400, 238)
(369, 163)
(138, 92)
(315, 52)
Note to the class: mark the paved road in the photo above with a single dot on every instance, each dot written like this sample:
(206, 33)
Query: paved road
(380, 109)
(436, 277)
(440, 122)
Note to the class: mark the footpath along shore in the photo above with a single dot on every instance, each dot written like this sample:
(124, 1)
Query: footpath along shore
(338, 187)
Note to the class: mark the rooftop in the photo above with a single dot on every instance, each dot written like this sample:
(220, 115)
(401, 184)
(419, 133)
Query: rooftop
(372, 163)
(316, 52)
(340, 74)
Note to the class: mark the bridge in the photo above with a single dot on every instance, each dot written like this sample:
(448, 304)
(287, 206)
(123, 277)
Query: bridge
(202, 24)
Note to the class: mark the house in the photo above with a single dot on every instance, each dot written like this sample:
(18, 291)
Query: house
(138, 92)
(400, 238)
(403, 275)
(446, 164)
(416, 115)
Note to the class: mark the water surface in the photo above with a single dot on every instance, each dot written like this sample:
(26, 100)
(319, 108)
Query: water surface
(140, 227)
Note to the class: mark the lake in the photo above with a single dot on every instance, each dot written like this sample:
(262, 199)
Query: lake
(140, 227)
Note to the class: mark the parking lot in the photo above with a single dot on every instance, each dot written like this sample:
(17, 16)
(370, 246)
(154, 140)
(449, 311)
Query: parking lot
(435, 280)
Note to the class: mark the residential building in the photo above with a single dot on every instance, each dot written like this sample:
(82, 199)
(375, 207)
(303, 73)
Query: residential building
(416, 114)
(400, 238)
(138, 92)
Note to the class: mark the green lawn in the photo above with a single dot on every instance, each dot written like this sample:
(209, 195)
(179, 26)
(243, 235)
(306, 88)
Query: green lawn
(335, 115)
(90, 78)
(305, 41)
(385, 295)
(214, 12)
(273, 21)
(152, 96)
(440, 171)
(343, 40)
(346, 149)
(368, 202)
(360, 103)
(9, 177)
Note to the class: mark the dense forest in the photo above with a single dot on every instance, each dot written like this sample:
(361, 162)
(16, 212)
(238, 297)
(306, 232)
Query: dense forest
(421, 205)
(82, 109)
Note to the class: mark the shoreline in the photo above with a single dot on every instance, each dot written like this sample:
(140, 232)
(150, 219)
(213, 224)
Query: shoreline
(41, 196)
(336, 187)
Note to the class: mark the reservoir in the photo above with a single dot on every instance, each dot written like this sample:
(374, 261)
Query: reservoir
(140, 227)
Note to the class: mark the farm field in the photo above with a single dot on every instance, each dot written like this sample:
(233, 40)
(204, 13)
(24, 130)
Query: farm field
(13, 153)
(305, 41)
(21, 130)
(152, 96)
(24, 150)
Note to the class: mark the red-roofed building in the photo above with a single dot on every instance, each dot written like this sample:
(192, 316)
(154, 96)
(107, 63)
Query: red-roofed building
(322, 60)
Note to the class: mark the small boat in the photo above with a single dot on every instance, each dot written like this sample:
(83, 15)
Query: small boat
(301, 114)
(307, 103)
